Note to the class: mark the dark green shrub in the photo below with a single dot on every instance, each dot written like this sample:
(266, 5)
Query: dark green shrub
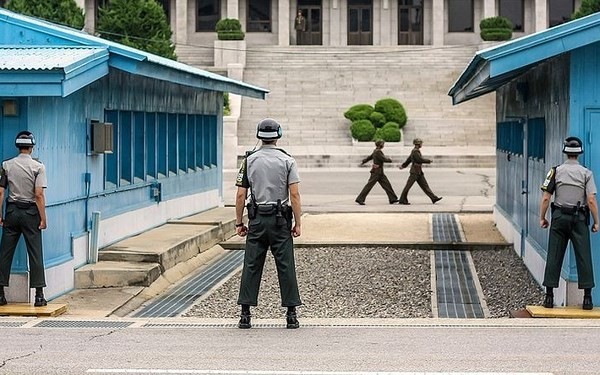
(362, 130)
(226, 105)
(587, 7)
(390, 132)
(140, 24)
(64, 12)
(229, 29)
(496, 29)
(392, 110)
(378, 119)
(359, 112)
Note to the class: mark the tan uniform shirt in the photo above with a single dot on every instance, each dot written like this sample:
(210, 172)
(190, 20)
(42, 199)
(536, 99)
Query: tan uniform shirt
(22, 174)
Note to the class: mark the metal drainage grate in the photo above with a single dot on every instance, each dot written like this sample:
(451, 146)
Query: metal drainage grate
(445, 228)
(456, 292)
(11, 324)
(175, 301)
(81, 324)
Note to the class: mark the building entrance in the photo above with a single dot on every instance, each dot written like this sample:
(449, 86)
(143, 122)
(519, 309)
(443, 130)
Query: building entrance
(312, 34)
(410, 22)
(360, 21)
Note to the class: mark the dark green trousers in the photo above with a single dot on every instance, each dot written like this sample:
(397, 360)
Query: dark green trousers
(419, 179)
(23, 221)
(263, 233)
(377, 175)
(565, 227)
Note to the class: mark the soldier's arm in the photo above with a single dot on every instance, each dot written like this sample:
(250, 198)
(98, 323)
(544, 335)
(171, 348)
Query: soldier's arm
(365, 160)
(406, 162)
(544, 204)
(384, 158)
(1, 203)
(419, 159)
(593, 205)
(40, 202)
(296, 209)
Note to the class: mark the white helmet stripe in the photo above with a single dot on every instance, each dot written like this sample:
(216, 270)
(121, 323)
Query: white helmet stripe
(268, 134)
(573, 149)
(24, 141)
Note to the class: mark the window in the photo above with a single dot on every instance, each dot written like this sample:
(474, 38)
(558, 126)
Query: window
(149, 145)
(513, 10)
(536, 138)
(509, 137)
(259, 16)
(460, 16)
(559, 11)
(208, 13)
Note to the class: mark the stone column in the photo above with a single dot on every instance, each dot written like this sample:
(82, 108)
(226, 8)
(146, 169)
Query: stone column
(541, 15)
(181, 16)
(438, 25)
(284, 22)
(489, 8)
(233, 9)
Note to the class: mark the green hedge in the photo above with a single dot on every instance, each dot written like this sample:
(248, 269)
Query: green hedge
(496, 29)
(362, 130)
(378, 119)
(390, 132)
(496, 34)
(229, 29)
(359, 112)
(392, 110)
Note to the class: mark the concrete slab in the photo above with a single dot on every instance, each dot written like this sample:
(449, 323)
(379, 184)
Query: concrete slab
(26, 309)
(568, 312)
(116, 274)
(97, 302)
(215, 216)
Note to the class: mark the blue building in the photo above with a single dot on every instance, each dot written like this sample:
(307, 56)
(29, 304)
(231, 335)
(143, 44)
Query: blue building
(547, 87)
(160, 159)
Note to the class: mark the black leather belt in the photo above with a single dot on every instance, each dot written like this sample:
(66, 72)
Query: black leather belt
(23, 205)
(569, 210)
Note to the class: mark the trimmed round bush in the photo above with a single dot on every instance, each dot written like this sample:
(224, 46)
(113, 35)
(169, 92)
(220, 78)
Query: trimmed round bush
(392, 110)
(359, 112)
(362, 130)
(390, 132)
(496, 29)
(377, 119)
(229, 29)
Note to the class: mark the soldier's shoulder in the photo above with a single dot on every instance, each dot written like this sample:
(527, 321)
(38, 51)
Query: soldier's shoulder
(284, 151)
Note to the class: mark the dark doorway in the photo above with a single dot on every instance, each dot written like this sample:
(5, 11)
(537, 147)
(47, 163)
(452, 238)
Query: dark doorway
(313, 31)
(360, 21)
(410, 22)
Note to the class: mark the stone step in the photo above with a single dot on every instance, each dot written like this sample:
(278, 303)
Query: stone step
(141, 259)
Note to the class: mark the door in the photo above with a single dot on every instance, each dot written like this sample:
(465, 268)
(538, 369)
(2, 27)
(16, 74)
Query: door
(360, 22)
(311, 11)
(592, 160)
(410, 22)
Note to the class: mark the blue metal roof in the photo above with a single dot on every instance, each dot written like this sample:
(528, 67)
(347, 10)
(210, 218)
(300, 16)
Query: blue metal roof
(128, 58)
(50, 71)
(493, 67)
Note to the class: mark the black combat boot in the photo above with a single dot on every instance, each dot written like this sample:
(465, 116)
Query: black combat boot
(549, 299)
(587, 299)
(292, 318)
(39, 298)
(2, 297)
(245, 318)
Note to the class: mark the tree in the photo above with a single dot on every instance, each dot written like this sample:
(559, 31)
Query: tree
(64, 12)
(140, 24)
(587, 7)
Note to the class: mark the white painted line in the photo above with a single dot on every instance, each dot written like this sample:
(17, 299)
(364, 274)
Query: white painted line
(482, 301)
(258, 372)
(435, 313)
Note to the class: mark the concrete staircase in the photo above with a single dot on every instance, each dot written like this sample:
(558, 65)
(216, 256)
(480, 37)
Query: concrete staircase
(198, 56)
(312, 86)
(142, 259)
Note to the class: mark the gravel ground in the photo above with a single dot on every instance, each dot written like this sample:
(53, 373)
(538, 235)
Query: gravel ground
(339, 282)
(506, 282)
(364, 282)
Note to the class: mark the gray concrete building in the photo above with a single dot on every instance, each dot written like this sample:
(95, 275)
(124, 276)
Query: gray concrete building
(353, 22)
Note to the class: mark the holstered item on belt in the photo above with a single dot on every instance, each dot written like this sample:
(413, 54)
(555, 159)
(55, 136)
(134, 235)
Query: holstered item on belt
(252, 209)
(279, 219)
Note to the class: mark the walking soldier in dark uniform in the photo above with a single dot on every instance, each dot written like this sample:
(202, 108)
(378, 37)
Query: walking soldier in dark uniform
(272, 177)
(574, 200)
(25, 214)
(377, 175)
(416, 173)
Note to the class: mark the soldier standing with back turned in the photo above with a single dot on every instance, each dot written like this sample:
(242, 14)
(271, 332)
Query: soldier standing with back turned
(25, 214)
(574, 199)
(272, 177)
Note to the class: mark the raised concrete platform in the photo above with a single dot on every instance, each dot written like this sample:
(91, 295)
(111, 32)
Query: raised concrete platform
(26, 309)
(568, 312)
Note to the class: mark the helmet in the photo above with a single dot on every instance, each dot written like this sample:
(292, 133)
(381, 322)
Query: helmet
(268, 129)
(25, 139)
(417, 141)
(572, 146)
